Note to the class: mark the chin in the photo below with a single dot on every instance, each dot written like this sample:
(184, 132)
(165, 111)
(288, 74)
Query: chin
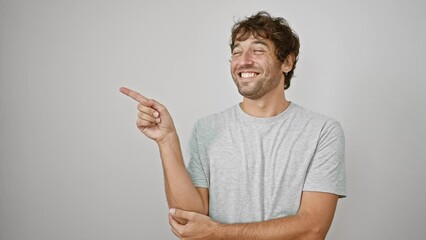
(253, 95)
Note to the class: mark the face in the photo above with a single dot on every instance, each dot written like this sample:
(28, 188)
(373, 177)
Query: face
(255, 68)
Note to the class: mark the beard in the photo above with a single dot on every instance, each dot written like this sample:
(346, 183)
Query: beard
(257, 89)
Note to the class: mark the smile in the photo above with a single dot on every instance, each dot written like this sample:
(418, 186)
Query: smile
(247, 74)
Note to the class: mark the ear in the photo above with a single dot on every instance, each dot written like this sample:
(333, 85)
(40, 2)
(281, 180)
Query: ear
(288, 63)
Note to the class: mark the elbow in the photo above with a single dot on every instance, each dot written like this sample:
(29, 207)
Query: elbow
(316, 227)
(316, 232)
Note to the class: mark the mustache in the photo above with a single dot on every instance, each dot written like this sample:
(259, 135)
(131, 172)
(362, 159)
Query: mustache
(248, 69)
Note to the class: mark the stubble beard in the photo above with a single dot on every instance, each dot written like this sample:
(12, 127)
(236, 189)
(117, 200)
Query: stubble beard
(259, 89)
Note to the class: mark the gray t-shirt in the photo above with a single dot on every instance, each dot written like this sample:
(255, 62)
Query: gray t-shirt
(257, 168)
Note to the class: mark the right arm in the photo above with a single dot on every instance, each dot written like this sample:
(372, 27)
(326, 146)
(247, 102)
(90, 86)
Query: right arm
(180, 190)
(155, 122)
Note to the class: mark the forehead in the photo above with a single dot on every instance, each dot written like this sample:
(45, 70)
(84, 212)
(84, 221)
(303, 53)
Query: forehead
(252, 40)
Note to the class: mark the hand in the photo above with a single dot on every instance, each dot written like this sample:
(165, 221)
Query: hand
(198, 226)
(153, 118)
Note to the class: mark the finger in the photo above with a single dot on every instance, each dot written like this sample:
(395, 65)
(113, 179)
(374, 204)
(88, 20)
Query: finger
(175, 233)
(148, 118)
(133, 94)
(148, 110)
(177, 228)
(143, 100)
(157, 106)
(143, 123)
(182, 214)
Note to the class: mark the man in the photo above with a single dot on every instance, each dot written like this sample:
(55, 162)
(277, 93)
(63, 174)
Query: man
(266, 168)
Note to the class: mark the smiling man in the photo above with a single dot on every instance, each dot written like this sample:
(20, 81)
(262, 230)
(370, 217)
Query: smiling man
(265, 168)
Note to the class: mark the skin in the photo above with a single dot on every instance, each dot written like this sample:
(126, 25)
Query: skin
(155, 122)
(263, 96)
(311, 222)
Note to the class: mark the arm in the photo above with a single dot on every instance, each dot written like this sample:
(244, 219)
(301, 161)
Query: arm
(311, 222)
(180, 191)
(155, 122)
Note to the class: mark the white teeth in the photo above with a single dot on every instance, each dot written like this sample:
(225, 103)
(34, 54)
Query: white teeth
(247, 74)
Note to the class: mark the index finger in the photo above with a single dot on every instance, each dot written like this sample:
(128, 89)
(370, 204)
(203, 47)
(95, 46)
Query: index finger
(133, 94)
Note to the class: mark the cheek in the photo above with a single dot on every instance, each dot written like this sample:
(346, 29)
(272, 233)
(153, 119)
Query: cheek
(232, 67)
(274, 66)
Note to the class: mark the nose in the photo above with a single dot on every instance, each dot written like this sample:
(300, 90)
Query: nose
(246, 58)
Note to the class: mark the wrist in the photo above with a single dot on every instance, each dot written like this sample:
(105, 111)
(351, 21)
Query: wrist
(219, 231)
(169, 140)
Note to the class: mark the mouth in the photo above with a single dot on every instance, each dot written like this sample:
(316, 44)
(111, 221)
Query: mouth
(245, 75)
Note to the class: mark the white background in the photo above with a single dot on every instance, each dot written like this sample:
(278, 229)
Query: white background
(74, 166)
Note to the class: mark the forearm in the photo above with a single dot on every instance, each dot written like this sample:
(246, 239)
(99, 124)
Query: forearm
(180, 191)
(293, 227)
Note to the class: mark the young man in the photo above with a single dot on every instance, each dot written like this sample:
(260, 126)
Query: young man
(266, 168)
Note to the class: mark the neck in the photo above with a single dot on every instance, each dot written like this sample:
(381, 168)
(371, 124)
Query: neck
(271, 104)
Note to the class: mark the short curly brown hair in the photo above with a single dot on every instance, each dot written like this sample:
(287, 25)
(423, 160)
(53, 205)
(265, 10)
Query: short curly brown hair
(262, 25)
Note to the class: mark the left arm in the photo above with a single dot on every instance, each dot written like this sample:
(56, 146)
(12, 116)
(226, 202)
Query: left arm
(312, 221)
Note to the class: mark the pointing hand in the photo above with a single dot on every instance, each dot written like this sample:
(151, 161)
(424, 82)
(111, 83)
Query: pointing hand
(153, 118)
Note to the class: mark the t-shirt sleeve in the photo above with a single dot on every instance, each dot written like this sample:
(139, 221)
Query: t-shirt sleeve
(326, 172)
(195, 167)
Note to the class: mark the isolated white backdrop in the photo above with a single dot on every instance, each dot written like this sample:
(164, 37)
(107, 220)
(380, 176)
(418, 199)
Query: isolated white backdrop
(74, 166)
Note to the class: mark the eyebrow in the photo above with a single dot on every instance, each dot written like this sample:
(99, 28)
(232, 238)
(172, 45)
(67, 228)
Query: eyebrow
(254, 42)
(261, 42)
(235, 45)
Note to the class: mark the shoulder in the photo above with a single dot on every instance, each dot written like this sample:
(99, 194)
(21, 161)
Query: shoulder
(310, 120)
(206, 129)
(305, 115)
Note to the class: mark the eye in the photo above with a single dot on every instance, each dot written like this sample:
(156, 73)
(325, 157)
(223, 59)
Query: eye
(258, 51)
(236, 52)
